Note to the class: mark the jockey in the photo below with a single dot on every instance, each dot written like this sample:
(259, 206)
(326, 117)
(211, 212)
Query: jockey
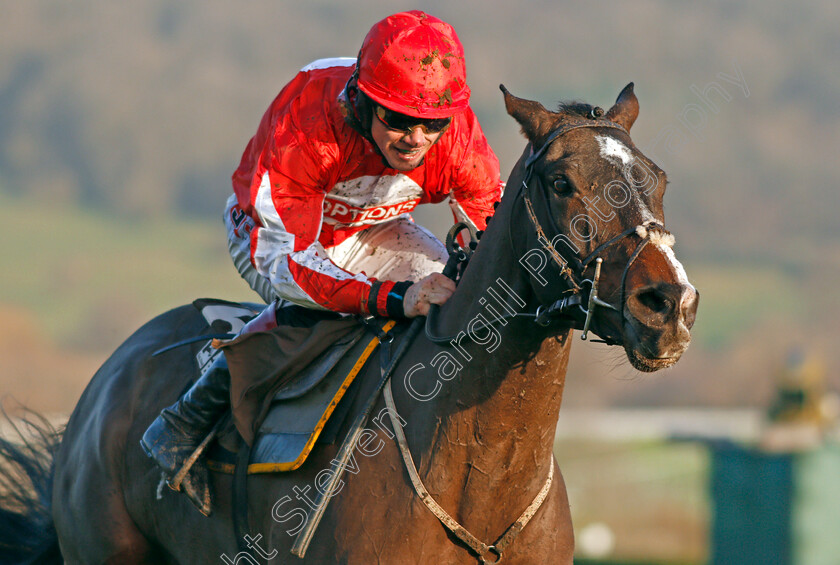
(319, 215)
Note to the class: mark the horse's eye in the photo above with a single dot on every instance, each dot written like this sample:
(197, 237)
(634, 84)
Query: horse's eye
(562, 186)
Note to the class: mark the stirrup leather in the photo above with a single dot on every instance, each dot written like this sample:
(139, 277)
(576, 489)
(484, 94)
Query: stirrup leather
(194, 480)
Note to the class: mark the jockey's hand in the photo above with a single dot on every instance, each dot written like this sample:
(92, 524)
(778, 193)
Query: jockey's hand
(434, 289)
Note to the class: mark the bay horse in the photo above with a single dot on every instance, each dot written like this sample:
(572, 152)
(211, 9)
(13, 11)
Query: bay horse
(582, 202)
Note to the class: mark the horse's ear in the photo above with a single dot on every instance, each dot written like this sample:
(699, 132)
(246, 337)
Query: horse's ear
(626, 108)
(532, 116)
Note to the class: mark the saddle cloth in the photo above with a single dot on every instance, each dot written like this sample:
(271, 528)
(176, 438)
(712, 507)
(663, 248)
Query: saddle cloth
(283, 418)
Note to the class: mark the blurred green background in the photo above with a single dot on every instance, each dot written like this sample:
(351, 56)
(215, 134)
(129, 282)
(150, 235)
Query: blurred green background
(120, 125)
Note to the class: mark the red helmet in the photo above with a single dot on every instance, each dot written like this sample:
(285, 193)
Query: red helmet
(413, 63)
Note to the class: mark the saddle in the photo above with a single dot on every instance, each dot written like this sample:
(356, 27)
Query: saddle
(291, 387)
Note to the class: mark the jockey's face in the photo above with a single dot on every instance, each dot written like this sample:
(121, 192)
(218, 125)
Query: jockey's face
(403, 150)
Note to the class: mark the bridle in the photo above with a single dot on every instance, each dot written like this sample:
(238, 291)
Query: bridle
(571, 267)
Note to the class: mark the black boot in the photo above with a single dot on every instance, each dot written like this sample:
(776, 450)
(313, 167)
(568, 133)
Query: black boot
(174, 436)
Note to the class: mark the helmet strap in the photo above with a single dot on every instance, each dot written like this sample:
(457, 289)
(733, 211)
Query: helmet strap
(356, 107)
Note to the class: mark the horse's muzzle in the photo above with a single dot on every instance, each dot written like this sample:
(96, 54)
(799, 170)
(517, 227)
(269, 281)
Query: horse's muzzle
(658, 319)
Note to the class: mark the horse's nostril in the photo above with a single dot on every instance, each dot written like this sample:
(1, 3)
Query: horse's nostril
(689, 306)
(654, 301)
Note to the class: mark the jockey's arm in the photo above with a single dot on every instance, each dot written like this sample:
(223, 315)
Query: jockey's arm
(302, 273)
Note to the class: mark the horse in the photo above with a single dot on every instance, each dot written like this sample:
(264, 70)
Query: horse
(577, 242)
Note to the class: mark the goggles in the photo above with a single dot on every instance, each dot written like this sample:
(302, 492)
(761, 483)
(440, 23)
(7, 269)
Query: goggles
(406, 124)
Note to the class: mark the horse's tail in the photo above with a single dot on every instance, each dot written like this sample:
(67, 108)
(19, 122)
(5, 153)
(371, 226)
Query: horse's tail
(27, 532)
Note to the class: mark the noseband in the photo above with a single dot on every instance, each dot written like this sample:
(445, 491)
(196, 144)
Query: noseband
(572, 268)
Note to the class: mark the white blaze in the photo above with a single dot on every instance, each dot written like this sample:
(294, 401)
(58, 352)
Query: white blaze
(614, 151)
(679, 270)
(620, 155)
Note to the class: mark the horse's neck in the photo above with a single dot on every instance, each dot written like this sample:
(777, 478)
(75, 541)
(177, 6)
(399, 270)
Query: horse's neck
(500, 411)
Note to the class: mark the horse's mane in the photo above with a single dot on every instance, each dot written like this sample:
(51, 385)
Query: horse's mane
(575, 107)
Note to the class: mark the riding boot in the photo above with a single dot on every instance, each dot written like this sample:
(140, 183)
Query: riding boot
(179, 430)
